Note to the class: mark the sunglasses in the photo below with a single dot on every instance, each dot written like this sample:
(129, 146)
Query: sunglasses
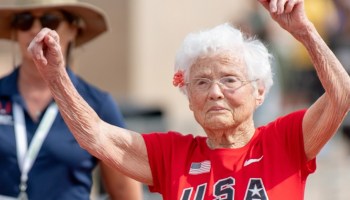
(24, 21)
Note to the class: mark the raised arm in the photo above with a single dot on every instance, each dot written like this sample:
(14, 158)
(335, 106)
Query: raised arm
(324, 117)
(120, 148)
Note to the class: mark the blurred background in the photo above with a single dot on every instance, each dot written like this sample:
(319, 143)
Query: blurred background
(134, 62)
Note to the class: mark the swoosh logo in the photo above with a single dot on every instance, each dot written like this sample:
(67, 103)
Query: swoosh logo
(253, 160)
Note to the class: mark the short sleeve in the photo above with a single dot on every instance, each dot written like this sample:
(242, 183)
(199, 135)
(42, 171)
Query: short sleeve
(288, 131)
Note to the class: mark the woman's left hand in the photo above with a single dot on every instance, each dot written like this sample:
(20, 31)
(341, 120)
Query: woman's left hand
(289, 14)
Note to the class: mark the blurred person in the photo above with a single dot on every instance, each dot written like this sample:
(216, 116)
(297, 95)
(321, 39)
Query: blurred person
(40, 158)
(307, 88)
(225, 77)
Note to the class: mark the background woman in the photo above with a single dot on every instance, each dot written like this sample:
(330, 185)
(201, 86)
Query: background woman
(39, 155)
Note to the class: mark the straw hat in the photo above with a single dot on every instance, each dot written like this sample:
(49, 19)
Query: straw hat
(94, 19)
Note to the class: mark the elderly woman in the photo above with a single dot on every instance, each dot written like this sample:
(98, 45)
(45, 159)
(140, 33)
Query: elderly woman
(225, 77)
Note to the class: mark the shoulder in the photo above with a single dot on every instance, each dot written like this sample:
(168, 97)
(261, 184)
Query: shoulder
(289, 119)
(8, 83)
(89, 90)
(92, 94)
(101, 101)
(285, 129)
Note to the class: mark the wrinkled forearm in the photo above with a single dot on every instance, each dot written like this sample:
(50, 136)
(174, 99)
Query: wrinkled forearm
(122, 149)
(77, 114)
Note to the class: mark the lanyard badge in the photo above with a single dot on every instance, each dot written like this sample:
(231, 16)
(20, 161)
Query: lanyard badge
(26, 156)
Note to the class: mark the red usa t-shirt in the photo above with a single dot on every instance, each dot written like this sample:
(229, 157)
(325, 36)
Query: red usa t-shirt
(271, 166)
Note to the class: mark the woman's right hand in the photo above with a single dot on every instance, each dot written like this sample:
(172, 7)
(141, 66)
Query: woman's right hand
(46, 53)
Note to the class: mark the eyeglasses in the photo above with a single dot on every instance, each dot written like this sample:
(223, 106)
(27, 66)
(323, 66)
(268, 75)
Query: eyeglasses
(227, 82)
(24, 21)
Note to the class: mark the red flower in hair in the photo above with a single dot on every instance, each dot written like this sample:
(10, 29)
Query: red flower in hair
(178, 79)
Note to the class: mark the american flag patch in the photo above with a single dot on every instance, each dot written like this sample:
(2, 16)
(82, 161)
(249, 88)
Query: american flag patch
(200, 167)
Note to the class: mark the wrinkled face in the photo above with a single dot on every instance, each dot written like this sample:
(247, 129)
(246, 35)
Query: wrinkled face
(65, 30)
(221, 107)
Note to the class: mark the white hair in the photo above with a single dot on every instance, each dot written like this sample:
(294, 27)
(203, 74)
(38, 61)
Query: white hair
(225, 38)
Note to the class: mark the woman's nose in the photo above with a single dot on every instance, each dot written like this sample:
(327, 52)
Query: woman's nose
(215, 91)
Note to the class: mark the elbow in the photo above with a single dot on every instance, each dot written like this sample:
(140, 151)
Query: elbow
(340, 100)
(347, 100)
(87, 135)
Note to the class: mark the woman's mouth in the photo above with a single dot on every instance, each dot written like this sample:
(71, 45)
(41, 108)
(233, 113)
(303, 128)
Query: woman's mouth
(217, 109)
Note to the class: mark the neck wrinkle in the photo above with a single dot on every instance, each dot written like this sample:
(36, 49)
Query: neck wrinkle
(230, 138)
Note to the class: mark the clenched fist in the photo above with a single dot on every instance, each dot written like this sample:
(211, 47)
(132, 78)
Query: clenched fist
(47, 54)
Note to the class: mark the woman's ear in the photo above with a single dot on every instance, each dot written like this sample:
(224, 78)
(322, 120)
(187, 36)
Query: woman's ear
(260, 96)
(190, 104)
